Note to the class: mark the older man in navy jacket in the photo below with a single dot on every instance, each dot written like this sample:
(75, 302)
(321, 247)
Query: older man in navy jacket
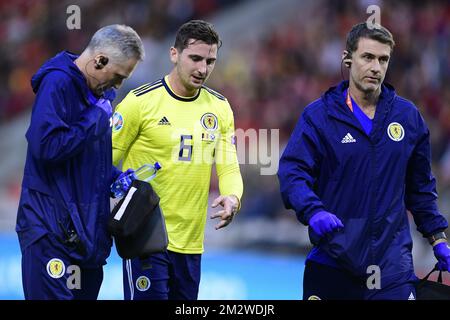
(358, 159)
(64, 204)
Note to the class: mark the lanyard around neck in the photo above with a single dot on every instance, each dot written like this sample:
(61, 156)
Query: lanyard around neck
(348, 101)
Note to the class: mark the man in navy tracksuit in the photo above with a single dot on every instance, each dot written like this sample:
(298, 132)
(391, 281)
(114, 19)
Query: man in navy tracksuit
(64, 204)
(358, 159)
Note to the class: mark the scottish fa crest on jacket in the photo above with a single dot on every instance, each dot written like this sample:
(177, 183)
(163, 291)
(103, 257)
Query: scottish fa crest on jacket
(395, 131)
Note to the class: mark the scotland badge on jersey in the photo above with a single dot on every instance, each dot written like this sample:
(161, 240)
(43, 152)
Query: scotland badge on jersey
(209, 121)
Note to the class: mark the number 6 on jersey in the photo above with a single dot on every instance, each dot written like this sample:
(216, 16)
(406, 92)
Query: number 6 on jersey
(184, 146)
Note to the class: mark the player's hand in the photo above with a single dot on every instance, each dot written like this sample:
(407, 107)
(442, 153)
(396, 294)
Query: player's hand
(324, 222)
(442, 254)
(230, 206)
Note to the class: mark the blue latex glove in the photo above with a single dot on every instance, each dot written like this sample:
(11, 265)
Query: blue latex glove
(127, 178)
(324, 222)
(442, 254)
(91, 98)
(102, 103)
(123, 183)
(105, 105)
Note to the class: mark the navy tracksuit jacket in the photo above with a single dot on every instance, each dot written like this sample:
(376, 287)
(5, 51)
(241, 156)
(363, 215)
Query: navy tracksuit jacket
(68, 168)
(369, 182)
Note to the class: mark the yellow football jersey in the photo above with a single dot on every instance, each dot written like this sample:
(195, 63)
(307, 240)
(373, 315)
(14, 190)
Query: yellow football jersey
(186, 136)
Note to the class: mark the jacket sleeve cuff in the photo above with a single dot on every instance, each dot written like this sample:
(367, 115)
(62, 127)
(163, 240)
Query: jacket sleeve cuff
(304, 218)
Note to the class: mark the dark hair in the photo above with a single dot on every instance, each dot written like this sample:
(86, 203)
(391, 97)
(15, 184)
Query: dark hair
(361, 30)
(197, 30)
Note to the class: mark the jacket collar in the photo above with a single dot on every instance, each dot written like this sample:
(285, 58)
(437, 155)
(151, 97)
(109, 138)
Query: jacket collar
(64, 61)
(336, 107)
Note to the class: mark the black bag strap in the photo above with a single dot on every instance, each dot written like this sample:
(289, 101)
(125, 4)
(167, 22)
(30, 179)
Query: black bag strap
(439, 279)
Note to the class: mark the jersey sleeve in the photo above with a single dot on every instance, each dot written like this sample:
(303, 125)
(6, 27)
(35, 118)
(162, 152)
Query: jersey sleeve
(227, 165)
(126, 125)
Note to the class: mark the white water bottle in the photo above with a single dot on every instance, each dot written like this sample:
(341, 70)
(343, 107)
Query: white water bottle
(147, 172)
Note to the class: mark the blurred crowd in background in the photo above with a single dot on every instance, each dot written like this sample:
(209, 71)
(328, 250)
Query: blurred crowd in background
(33, 31)
(268, 79)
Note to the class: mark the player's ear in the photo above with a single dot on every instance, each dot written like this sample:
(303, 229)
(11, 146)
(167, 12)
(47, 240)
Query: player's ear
(173, 53)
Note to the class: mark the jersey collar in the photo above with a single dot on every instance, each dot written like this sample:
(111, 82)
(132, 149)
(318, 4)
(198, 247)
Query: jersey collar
(175, 96)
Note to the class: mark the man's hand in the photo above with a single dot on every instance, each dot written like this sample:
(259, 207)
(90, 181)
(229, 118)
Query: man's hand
(103, 104)
(128, 179)
(324, 222)
(230, 206)
(442, 254)
(122, 184)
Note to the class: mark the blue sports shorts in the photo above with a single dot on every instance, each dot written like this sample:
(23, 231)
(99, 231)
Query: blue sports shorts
(162, 276)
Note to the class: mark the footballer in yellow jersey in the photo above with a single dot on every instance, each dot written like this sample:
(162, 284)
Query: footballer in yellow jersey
(184, 135)
(186, 127)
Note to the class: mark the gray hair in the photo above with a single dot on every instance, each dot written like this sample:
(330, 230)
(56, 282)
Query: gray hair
(119, 41)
